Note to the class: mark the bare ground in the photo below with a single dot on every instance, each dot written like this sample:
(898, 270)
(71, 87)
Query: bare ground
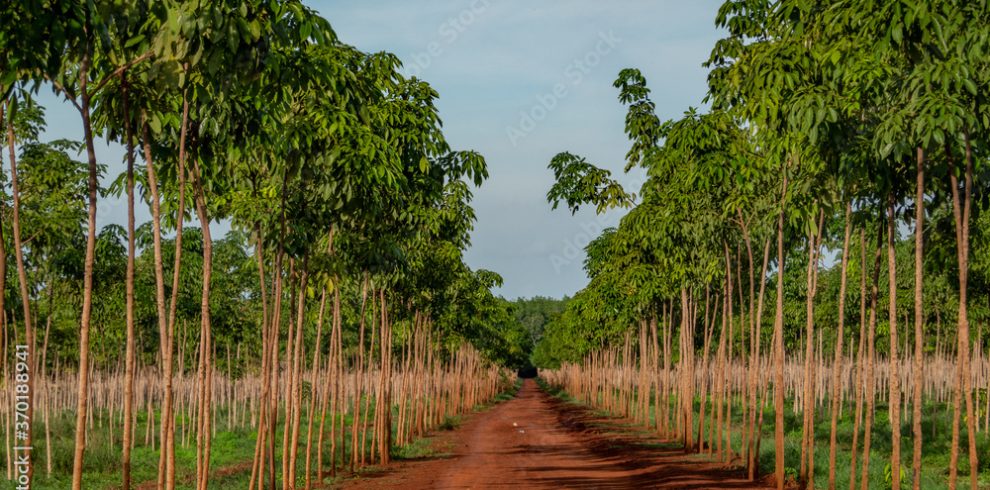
(538, 441)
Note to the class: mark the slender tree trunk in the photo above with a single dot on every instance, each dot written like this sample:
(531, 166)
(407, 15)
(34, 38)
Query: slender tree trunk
(708, 331)
(756, 427)
(164, 335)
(203, 453)
(359, 364)
(288, 393)
(293, 449)
(778, 348)
(129, 299)
(385, 395)
(687, 379)
(258, 465)
(894, 400)
(339, 387)
(201, 359)
(839, 337)
(919, 319)
(313, 375)
(22, 282)
(974, 465)
(275, 327)
(720, 388)
(808, 434)
(87, 306)
(166, 471)
(667, 349)
(372, 393)
(654, 369)
(331, 390)
(858, 379)
(45, 380)
(871, 359)
(961, 205)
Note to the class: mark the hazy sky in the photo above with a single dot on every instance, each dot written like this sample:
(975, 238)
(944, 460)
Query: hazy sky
(519, 81)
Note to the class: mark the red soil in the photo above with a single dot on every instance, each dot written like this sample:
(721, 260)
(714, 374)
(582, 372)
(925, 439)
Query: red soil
(537, 441)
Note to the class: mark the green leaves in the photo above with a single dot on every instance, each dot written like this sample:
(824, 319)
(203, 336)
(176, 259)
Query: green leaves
(579, 182)
(134, 41)
(642, 125)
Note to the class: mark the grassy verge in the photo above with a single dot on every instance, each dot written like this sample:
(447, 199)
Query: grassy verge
(936, 440)
(230, 458)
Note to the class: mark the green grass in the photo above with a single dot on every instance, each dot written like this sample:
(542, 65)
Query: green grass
(231, 449)
(936, 440)
(102, 462)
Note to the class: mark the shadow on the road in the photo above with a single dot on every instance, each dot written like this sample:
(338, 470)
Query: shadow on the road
(627, 456)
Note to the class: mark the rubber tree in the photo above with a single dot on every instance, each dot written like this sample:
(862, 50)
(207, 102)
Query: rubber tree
(953, 114)
(83, 68)
(27, 53)
(921, 92)
(717, 153)
(205, 40)
(326, 134)
(752, 54)
(115, 116)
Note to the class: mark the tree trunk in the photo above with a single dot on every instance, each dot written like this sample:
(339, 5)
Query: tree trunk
(258, 464)
(22, 282)
(273, 336)
(961, 205)
(894, 400)
(778, 348)
(166, 464)
(709, 326)
(808, 434)
(919, 319)
(313, 376)
(756, 427)
(871, 359)
(203, 439)
(839, 337)
(359, 364)
(687, 381)
(858, 376)
(129, 299)
(164, 334)
(292, 452)
(87, 307)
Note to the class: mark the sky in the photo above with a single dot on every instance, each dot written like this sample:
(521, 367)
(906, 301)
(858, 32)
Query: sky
(519, 82)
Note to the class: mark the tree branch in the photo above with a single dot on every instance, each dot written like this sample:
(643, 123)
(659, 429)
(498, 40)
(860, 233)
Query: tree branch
(71, 97)
(119, 71)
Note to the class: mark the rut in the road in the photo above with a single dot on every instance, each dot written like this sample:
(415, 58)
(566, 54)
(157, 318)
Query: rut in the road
(537, 441)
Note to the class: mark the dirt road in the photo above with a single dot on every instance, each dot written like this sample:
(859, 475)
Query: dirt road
(538, 441)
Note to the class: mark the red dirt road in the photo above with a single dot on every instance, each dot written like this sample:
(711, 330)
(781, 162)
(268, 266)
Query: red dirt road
(537, 441)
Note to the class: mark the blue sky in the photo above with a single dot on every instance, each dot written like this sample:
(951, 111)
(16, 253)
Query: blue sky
(519, 81)
(494, 61)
